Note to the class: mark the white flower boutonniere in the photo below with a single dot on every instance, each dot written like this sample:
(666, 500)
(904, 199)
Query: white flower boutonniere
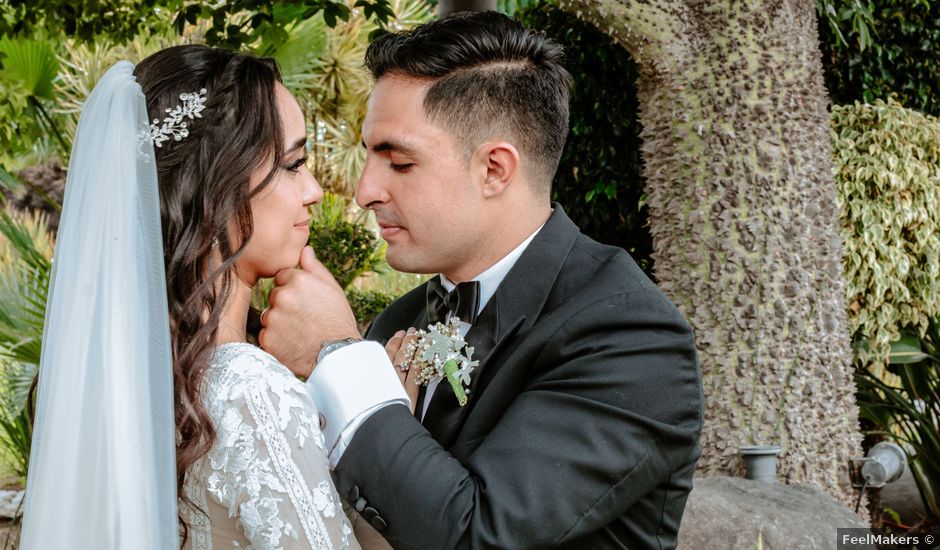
(440, 352)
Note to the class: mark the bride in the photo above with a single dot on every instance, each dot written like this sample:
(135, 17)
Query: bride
(187, 183)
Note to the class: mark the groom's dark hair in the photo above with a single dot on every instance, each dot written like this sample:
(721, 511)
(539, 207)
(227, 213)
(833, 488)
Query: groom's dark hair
(491, 78)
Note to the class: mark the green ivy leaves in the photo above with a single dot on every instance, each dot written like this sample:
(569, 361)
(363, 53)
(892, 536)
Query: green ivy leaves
(887, 167)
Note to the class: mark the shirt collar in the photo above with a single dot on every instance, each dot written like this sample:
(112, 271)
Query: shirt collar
(491, 278)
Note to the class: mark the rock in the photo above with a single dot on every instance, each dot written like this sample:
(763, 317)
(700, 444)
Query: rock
(49, 177)
(10, 502)
(730, 512)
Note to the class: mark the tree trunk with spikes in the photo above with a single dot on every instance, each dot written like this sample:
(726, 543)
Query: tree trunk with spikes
(744, 222)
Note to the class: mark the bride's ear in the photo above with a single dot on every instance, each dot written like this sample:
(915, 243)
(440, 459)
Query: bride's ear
(499, 163)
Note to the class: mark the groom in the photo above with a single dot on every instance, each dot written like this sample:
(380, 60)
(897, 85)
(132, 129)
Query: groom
(584, 413)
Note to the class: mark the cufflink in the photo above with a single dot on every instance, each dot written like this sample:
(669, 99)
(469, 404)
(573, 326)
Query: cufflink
(371, 515)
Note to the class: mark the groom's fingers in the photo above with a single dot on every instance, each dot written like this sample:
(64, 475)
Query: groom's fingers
(310, 264)
(308, 307)
(307, 258)
(272, 298)
(282, 277)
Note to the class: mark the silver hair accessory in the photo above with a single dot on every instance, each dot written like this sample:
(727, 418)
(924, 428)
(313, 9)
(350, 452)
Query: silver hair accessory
(174, 124)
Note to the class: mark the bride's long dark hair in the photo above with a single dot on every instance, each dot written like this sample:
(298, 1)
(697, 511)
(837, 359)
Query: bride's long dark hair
(205, 206)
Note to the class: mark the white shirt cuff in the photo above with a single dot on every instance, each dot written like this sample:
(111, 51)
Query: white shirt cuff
(348, 386)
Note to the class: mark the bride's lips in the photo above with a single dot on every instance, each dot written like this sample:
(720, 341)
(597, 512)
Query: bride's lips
(389, 230)
(305, 225)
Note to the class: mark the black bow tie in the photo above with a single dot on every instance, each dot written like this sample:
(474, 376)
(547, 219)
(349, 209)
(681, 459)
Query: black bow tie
(462, 302)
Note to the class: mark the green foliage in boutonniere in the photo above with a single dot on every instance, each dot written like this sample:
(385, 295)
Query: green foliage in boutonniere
(440, 352)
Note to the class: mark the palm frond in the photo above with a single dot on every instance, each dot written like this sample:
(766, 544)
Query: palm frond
(323, 67)
(25, 266)
(906, 406)
(9, 181)
(83, 64)
(32, 63)
(300, 55)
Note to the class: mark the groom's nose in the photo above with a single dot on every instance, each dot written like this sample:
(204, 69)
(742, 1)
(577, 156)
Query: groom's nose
(369, 191)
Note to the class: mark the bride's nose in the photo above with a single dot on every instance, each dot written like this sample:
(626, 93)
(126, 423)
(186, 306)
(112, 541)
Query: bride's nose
(312, 192)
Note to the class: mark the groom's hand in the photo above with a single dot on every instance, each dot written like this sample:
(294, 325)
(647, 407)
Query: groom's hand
(307, 308)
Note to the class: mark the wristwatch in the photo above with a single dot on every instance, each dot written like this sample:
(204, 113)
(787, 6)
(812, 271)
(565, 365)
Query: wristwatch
(329, 346)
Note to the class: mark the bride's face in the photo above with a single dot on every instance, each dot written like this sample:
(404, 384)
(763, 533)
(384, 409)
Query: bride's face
(280, 212)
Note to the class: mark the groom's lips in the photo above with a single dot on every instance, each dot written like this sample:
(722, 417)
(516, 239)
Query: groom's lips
(388, 230)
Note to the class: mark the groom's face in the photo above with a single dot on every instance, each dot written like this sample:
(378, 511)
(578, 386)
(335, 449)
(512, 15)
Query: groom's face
(426, 197)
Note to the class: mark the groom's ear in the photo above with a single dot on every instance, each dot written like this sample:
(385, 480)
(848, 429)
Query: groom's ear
(499, 163)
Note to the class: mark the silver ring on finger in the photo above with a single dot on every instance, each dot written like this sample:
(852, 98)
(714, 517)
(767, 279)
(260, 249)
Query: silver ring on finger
(404, 365)
(263, 313)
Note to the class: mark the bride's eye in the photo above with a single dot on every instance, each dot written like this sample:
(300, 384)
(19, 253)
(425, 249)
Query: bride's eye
(402, 167)
(295, 166)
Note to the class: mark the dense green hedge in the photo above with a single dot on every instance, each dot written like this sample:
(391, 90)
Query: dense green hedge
(887, 163)
(599, 180)
(347, 249)
(367, 304)
(904, 58)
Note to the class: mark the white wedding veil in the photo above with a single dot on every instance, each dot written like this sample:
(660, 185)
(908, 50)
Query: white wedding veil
(102, 470)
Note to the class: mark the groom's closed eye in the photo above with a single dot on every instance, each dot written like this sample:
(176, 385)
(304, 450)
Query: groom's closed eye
(394, 150)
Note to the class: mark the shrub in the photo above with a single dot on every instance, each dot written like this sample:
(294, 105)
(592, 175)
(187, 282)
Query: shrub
(901, 61)
(367, 304)
(907, 409)
(887, 167)
(346, 248)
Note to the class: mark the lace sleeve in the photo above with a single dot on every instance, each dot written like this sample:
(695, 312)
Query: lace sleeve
(269, 467)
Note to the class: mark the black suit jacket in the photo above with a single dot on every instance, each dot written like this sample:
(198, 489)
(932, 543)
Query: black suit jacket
(583, 421)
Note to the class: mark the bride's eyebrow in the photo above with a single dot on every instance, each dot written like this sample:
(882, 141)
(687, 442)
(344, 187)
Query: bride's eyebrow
(301, 142)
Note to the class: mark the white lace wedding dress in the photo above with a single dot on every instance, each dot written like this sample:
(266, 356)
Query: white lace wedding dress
(266, 482)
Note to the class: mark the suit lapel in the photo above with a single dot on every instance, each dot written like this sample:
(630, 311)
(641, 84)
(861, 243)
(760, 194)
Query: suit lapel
(513, 309)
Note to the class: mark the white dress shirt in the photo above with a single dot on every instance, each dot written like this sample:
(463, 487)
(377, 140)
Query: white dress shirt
(336, 384)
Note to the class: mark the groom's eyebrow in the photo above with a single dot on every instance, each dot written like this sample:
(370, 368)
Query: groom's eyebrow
(391, 145)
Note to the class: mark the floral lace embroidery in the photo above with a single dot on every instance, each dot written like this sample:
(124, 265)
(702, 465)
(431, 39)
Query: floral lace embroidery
(250, 485)
(287, 470)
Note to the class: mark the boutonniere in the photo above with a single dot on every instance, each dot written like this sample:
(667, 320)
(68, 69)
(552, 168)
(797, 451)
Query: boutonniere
(440, 352)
